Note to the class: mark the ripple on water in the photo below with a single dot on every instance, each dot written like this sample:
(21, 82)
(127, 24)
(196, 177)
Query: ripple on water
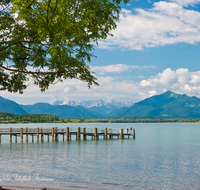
(163, 156)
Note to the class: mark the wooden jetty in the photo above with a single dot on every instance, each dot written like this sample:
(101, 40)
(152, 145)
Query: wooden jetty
(80, 133)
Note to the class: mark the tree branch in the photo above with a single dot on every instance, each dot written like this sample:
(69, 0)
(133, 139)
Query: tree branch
(39, 72)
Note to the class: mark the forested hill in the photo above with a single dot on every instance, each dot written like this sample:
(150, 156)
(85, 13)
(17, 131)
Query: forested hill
(168, 104)
(10, 106)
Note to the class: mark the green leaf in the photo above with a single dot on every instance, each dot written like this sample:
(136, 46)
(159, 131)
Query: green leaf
(52, 40)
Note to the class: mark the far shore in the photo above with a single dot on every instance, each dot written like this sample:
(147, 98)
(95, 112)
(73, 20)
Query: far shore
(106, 120)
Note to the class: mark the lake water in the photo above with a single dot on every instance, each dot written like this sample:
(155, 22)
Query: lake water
(163, 156)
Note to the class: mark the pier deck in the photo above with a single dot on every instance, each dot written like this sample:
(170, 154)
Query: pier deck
(80, 133)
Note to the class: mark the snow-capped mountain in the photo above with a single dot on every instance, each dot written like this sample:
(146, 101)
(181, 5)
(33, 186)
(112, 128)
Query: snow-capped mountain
(95, 103)
(99, 106)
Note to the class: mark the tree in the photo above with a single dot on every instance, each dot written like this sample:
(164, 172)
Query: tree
(47, 41)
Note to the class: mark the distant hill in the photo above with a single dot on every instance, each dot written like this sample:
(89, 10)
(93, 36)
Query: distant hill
(9, 106)
(104, 110)
(62, 111)
(168, 104)
(116, 112)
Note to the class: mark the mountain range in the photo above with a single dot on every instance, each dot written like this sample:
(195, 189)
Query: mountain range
(167, 105)
(94, 103)
(105, 109)
(62, 111)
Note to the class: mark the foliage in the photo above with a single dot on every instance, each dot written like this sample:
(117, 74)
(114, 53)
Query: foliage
(51, 40)
(28, 118)
(141, 120)
(44, 118)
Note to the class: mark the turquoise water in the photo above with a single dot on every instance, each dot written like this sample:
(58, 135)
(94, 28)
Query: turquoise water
(163, 156)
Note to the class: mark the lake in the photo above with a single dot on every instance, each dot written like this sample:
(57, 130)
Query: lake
(163, 156)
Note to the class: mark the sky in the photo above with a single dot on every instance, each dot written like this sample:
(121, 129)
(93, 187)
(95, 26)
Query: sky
(155, 48)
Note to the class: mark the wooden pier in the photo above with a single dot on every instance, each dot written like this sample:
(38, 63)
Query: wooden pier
(79, 133)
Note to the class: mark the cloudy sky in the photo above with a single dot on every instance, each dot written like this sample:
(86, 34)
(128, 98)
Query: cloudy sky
(155, 48)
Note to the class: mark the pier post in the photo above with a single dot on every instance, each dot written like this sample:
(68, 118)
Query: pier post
(109, 135)
(121, 133)
(95, 134)
(21, 134)
(15, 138)
(79, 133)
(48, 138)
(67, 133)
(26, 134)
(56, 135)
(10, 134)
(0, 138)
(41, 134)
(52, 133)
(38, 134)
(84, 135)
(133, 133)
(106, 134)
(32, 138)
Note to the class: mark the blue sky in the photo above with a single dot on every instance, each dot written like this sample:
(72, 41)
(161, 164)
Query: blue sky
(155, 48)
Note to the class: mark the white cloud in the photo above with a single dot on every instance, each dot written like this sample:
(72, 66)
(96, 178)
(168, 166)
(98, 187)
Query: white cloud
(166, 78)
(180, 80)
(52, 101)
(118, 68)
(145, 83)
(67, 99)
(110, 88)
(195, 78)
(186, 2)
(190, 89)
(183, 75)
(165, 23)
(69, 88)
(147, 94)
(152, 93)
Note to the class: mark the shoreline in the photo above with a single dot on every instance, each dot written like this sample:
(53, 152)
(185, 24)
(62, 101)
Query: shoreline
(166, 121)
(7, 118)
(59, 187)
